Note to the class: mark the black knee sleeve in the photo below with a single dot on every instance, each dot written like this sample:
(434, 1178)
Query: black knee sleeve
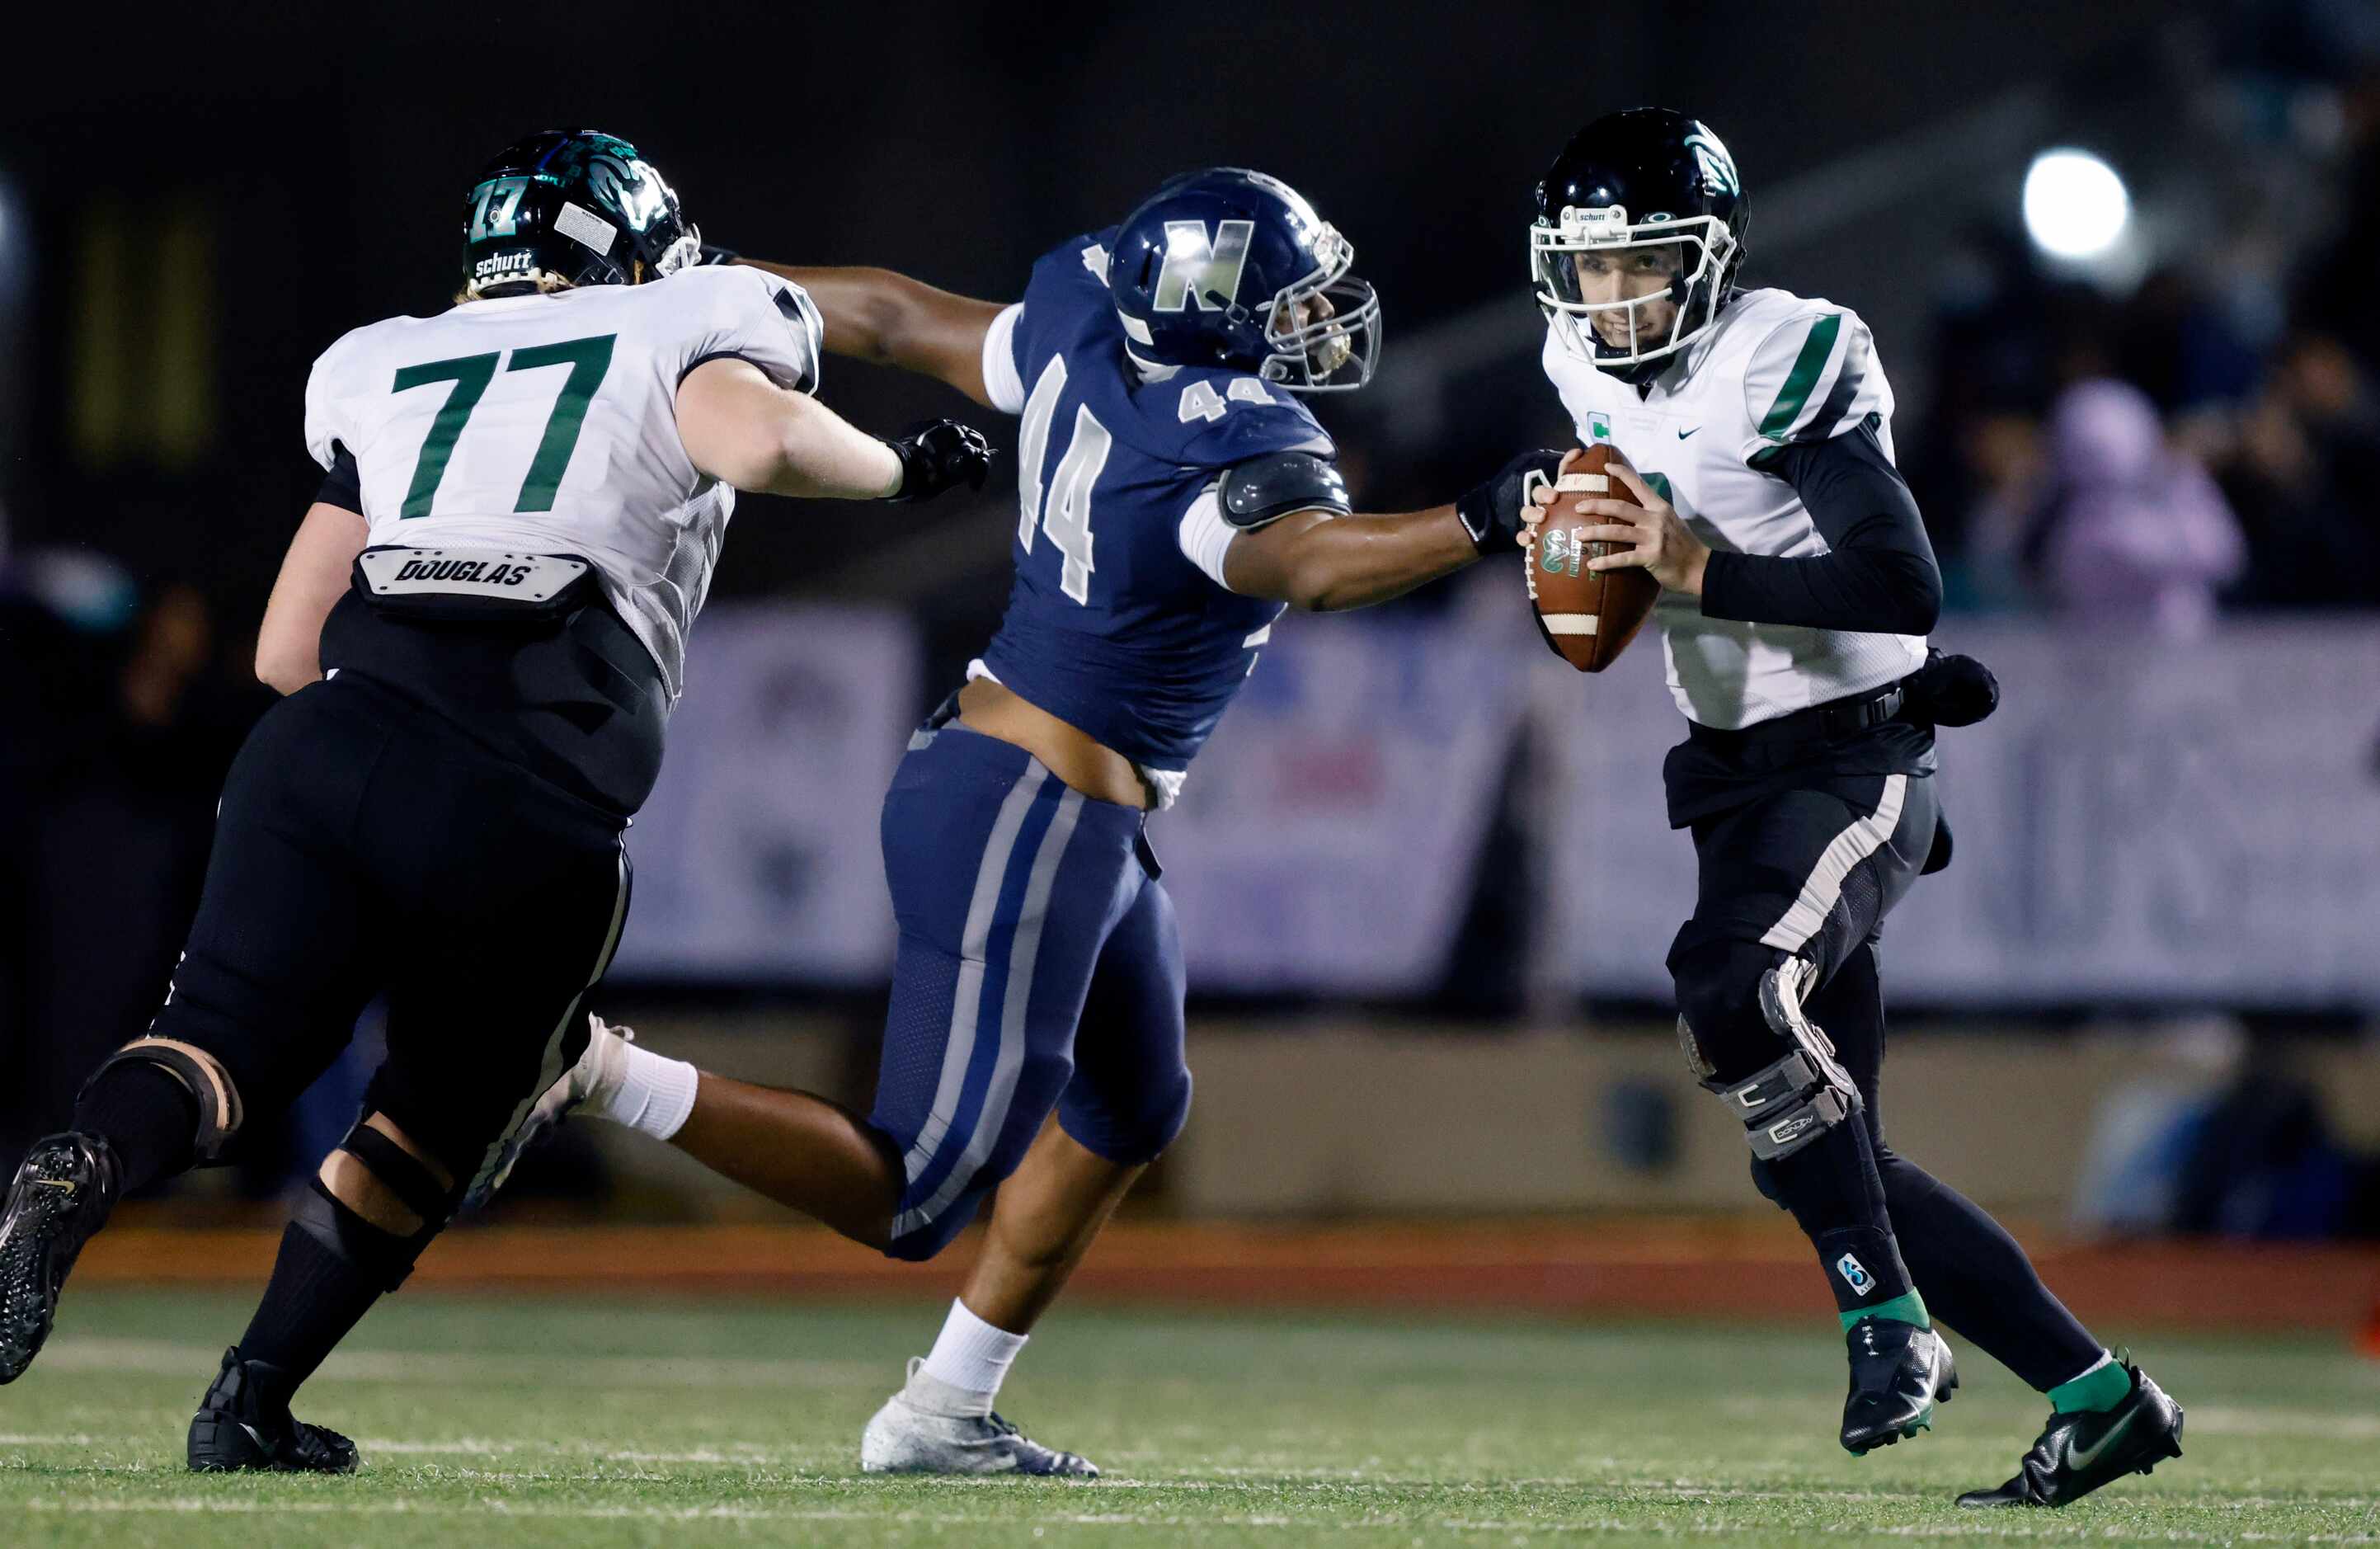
(210, 1084)
(1723, 1034)
(384, 1257)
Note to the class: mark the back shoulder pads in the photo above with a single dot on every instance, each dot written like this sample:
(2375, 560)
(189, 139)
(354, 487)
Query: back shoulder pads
(1266, 489)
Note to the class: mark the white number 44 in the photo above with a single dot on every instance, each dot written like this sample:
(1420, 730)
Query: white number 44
(1200, 402)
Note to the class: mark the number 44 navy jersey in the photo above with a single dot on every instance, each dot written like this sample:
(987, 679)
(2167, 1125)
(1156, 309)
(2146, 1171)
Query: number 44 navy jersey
(1119, 622)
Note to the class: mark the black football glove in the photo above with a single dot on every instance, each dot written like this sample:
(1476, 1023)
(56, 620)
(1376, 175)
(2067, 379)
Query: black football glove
(937, 454)
(1951, 690)
(1492, 512)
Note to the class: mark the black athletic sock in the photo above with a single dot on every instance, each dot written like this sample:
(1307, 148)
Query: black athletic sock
(1833, 1187)
(315, 1296)
(1977, 1280)
(147, 1115)
(1833, 1191)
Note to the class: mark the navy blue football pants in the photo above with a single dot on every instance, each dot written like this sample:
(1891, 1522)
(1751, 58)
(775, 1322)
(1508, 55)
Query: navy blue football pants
(1038, 969)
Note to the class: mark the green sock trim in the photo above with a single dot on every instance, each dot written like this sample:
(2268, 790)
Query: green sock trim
(2103, 1387)
(1907, 1308)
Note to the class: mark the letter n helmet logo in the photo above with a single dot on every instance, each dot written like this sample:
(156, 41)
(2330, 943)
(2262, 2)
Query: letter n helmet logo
(1202, 266)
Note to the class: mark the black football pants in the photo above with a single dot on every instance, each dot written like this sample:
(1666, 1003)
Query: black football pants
(365, 847)
(1812, 871)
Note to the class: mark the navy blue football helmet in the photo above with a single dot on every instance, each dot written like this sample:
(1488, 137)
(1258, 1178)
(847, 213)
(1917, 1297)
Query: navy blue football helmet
(570, 207)
(1228, 267)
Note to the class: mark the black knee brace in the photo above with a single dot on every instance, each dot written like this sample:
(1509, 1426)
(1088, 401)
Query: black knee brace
(384, 1257)
(210, 1084)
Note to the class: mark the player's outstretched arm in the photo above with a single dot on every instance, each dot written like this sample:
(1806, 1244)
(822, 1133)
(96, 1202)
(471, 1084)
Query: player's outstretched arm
(1329, 561)
(744, 431)
(1323, 562)
(314, 576)
(889, 318)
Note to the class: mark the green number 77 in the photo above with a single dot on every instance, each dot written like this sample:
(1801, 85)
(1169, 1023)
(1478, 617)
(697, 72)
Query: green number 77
(587, 359)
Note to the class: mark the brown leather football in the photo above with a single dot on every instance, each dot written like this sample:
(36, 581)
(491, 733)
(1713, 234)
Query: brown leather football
(1591, 615)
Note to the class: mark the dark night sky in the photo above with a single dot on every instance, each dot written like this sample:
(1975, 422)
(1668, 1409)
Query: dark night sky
(328, 149)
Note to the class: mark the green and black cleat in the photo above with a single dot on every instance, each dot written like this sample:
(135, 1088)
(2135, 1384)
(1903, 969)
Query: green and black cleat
(2082, 1451)
(63, 1193)
(1898, 1372)
(244, 1424)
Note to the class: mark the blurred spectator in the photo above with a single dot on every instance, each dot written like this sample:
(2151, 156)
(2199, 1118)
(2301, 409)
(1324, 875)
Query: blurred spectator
(2335, 292)
(2302, 468)
(2115, 522)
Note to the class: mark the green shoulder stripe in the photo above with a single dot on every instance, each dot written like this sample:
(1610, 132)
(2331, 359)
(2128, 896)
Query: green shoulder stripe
(1807, 368)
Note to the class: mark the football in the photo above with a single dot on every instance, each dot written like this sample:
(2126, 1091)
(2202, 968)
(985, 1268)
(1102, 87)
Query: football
(1591, 615)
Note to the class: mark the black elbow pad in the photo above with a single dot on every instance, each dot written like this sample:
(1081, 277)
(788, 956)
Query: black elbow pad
(1269, 488)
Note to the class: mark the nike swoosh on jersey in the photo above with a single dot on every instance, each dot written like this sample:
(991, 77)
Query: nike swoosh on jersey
(1683, 434)
(2078, 1458)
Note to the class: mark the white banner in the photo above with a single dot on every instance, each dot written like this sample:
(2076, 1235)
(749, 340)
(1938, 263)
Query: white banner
(1329, 834)
(756, 858)
(2142, 820)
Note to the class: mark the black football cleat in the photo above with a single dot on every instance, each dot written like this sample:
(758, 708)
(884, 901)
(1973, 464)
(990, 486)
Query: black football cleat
(63, 1193)
(2080, 1452)
(1898, 1372)
(244, 1424)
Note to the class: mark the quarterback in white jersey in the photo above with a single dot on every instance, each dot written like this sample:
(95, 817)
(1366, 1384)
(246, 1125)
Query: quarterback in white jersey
(479, 629)
(1773, 370)
(1754, 429)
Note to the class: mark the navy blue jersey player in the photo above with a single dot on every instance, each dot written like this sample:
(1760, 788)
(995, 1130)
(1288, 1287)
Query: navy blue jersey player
(1119, 622)
(1174, 496)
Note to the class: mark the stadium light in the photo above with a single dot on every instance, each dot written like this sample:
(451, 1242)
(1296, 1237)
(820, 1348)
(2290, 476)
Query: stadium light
(2075, 206)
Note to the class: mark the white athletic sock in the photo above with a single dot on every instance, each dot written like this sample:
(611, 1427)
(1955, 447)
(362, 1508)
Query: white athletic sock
(971, 1355)
(655, 1095)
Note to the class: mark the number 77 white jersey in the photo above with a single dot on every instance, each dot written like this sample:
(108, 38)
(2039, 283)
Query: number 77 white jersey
(1778, 368)
(548, 425)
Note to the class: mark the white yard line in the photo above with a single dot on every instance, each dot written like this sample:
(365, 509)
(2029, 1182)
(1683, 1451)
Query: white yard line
(1248, 1482)
(233, 1506)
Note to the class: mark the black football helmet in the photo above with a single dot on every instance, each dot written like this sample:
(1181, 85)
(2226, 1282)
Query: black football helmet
(1644, 177)
(568, 207)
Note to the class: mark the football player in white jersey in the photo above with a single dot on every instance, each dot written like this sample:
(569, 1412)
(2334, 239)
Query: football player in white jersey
(1798, 587)
(480, 628)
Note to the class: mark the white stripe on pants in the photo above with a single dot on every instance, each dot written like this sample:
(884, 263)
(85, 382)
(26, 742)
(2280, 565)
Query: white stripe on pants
(1824, 889)
(1023, 953)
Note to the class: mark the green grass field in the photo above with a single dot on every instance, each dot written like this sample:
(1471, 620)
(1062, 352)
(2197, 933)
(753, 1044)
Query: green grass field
(646, 1421)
